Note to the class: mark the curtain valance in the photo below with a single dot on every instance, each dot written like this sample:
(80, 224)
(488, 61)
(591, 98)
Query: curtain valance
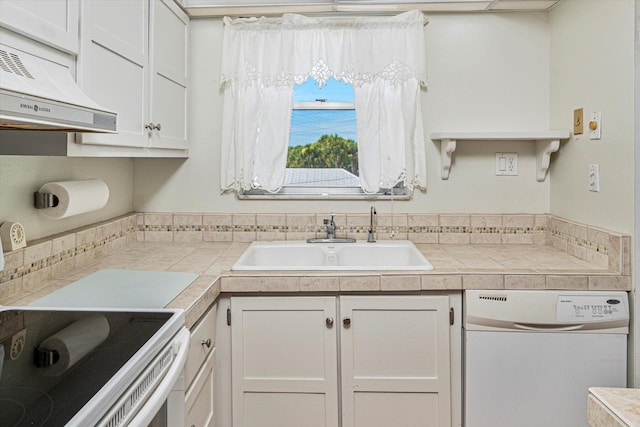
(286, 51)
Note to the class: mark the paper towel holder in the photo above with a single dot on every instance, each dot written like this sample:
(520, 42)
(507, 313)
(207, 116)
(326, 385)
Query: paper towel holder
(45, 200)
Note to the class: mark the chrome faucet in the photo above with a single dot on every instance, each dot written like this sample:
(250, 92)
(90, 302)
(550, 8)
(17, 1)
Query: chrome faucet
(331, 233)
(372, 214)
(331, 227)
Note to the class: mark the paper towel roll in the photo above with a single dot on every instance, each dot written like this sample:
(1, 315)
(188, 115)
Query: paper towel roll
(75, 197)
(75, 341)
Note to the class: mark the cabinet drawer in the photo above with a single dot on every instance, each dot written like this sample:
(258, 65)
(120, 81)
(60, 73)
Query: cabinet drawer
(200, 397)
(204, 333)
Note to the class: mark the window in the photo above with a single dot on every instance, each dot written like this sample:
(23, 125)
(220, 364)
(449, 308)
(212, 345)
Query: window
(323, 150)
(269, 73)
(322, 157)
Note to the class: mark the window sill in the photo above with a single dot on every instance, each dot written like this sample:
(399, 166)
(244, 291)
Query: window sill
(321, 194)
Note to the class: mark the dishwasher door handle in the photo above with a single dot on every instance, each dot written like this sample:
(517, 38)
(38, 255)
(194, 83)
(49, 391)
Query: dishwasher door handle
(550, 328)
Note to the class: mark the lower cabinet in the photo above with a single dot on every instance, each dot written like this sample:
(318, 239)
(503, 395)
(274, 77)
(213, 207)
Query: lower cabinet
(199, 373)
(284, 362)
(199, 400)
(395, 361)
(350, 361)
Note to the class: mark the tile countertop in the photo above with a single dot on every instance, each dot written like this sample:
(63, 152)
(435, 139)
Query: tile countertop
(456, 267)
(614, 407)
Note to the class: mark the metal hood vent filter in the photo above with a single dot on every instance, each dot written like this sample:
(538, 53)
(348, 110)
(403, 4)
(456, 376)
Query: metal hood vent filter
(36, 94)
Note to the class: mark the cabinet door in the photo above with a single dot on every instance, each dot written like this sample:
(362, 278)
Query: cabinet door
(284, 362)
(200, 397)
(170, 37)
(53, 22)
(201, 344)
(113, 66)
(395, 361)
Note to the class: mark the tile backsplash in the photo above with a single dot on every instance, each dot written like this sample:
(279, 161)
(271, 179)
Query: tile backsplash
(604, 249)
(27, 269)
(419, 228)
(58, 255)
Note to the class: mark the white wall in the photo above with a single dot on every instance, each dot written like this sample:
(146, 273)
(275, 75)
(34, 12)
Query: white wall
(21, 176)
(487, 72)
(592, 66)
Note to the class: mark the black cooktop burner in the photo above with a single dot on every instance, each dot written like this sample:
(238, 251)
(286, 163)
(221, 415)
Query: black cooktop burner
(24, 406)
(33, 396)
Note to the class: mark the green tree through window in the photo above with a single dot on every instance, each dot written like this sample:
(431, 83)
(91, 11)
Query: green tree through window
(330, 151)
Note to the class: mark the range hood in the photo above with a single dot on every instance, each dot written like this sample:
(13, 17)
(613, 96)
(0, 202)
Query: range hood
(36, 94)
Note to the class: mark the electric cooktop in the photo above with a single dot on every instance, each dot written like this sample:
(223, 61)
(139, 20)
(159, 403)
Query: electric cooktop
(56, 361)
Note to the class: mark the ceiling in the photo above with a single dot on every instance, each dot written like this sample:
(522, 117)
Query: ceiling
(212, 8)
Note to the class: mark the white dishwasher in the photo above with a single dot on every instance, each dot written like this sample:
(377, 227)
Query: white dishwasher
(530, 356)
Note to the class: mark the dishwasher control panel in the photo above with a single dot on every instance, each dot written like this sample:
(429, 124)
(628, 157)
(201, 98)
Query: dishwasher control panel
(589, 308)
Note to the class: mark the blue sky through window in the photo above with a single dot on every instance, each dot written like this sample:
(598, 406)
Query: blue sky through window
(307, 126)
(332, 91)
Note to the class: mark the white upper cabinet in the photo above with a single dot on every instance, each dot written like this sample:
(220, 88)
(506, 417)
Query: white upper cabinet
(52, 22)
(169, 77)
(114, 66)
(133, 60)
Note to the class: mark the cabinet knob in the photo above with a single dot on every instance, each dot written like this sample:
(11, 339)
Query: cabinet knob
(346, 322)
(329, 322)
(152, 126)
(207, 342)
(158, 126)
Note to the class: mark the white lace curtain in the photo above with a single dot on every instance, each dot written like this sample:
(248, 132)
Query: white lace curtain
(382, 57)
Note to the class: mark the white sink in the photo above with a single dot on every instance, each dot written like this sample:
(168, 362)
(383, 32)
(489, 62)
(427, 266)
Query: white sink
(300, 255)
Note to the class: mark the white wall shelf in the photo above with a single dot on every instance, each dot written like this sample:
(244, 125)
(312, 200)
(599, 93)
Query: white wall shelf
(547, 142)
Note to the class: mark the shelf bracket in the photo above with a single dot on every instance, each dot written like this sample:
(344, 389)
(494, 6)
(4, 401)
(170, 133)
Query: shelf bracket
(544, 148)
(547, 142)
(447, 147)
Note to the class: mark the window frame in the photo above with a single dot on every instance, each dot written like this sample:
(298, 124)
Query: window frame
(292, 192)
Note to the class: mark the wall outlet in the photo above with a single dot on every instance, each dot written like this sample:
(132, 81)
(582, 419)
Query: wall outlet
(594, 178)
(506, 164)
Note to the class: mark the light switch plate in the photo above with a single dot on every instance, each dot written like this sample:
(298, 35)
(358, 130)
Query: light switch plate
(578, 121)
(597, 132)
(506, 164)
